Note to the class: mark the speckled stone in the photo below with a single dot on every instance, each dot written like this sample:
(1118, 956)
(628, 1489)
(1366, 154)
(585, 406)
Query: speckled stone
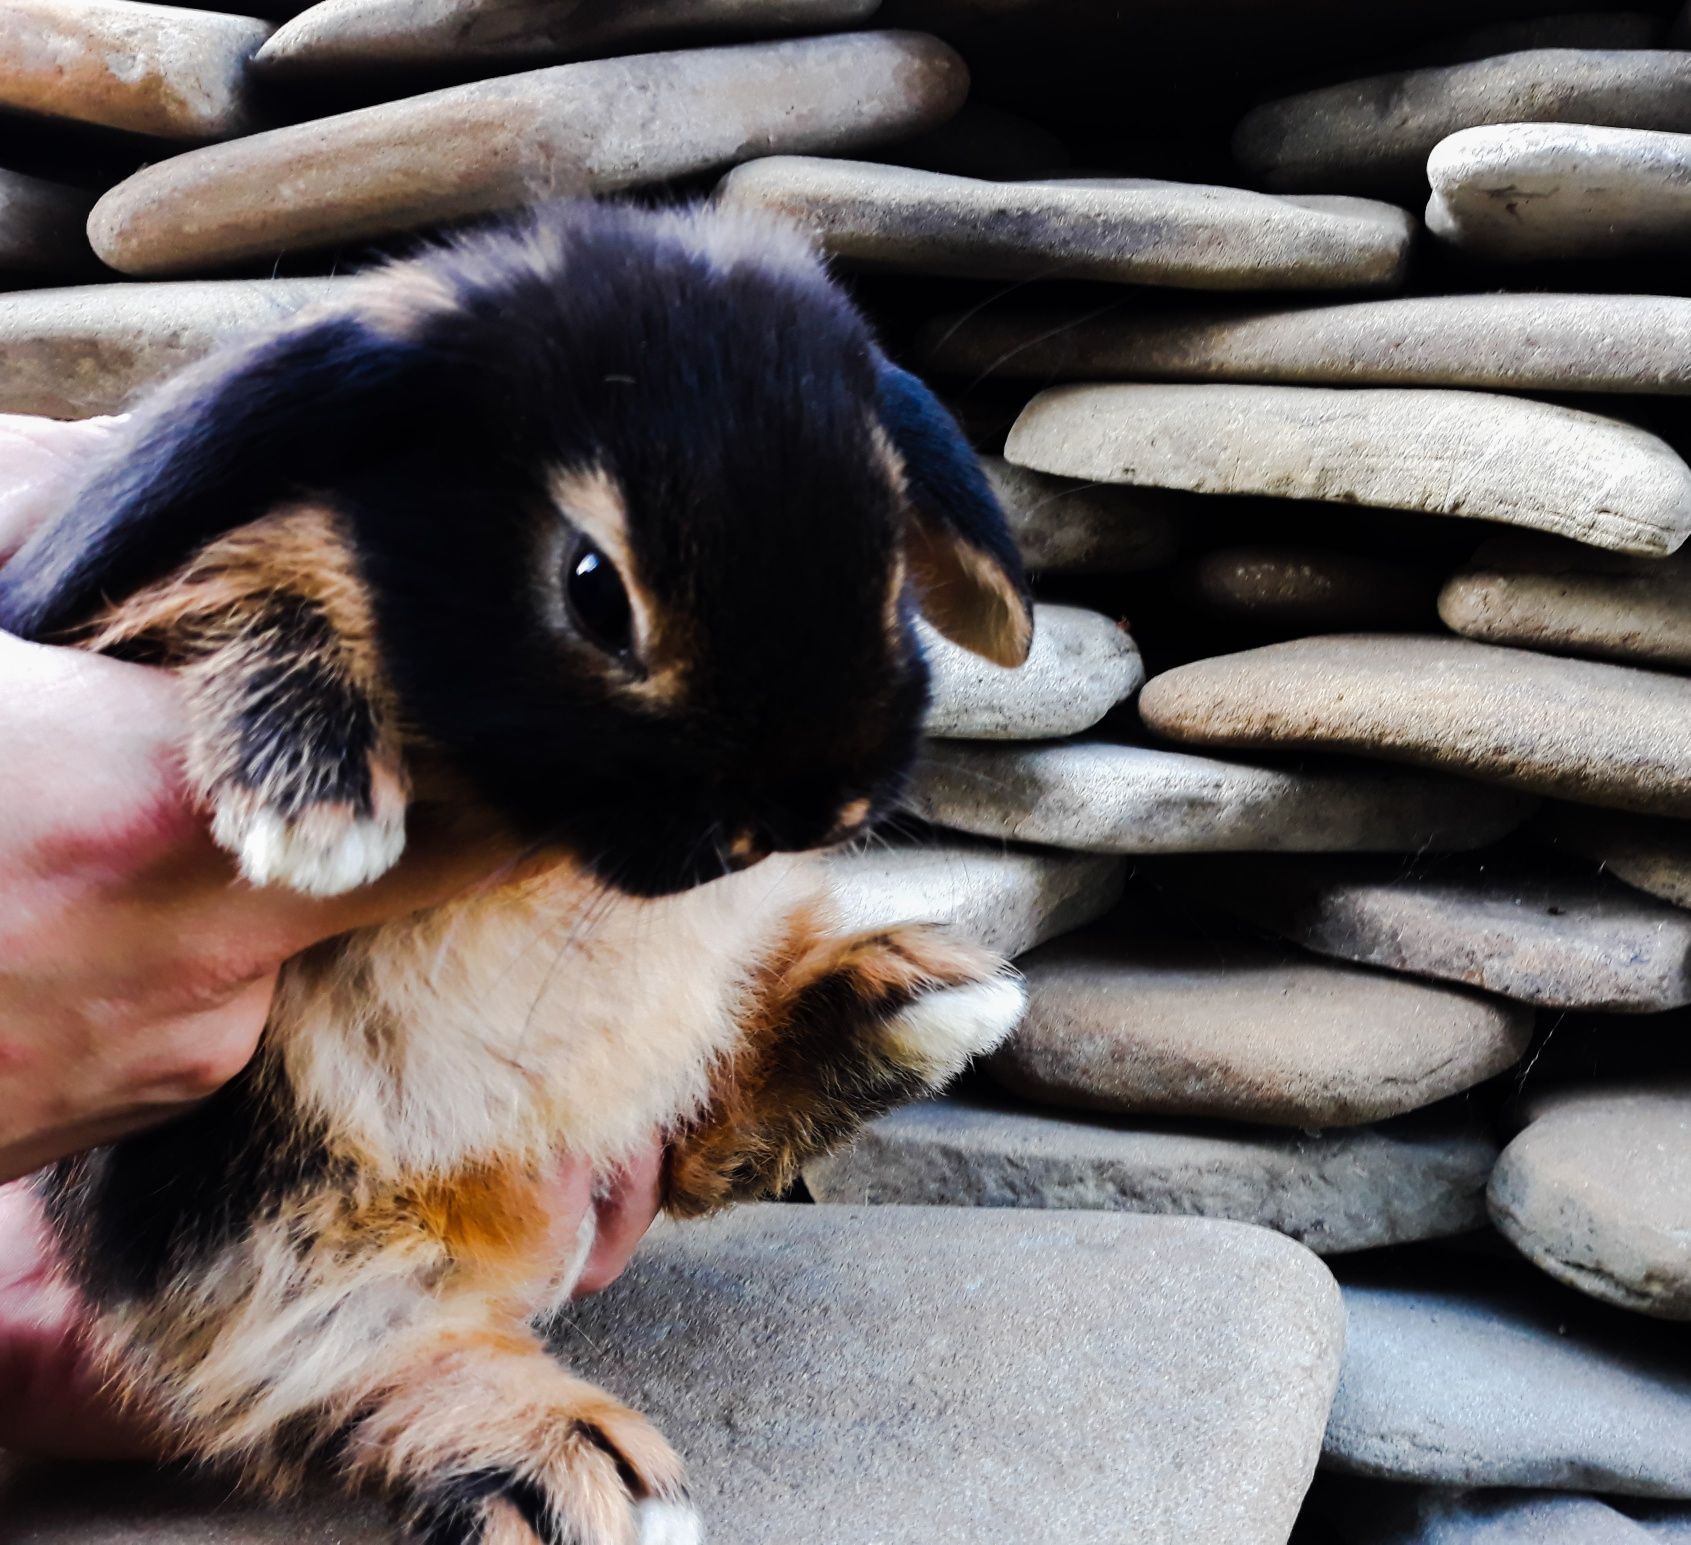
(1082, 665)
(1651, 855)
(1597, 1192)
(1310, 588)
(1513, 341)
(1010, 899)
(495, 144)
(1542, 593)
(1354, 1188)
(1596, 734)
(1375, 134)
(1064, 526)
(1153, 1024)
(1475, 1388)
(1186, 235)
(74, 353)
(338, 37)
(1099, 797)
(1522, 191)
(1551, 939)
(163, 70)
(987, 1353)
(1472, 454)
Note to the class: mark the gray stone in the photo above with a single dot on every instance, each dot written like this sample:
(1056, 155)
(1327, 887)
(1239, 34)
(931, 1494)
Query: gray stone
(1597, 1191)
(1068, 527)
(1650, 855)
(1511, 341)
(77, 352)
(1554, 940)
(1664, 1522)
(163, 70)
(1010, 899)
(1399, 1515)
(1187, 235)
(1596, 734)
(1082, 665)
(1312, 588)
(1353, 1188)
(42, 226)
(1476, 1388)
(1521, 191)
(336, 37)
(496, 144)
(1542, 593)
(1098, 797)
(1374, 134)
(909, 1377)
(1472, 454)
(1153, 1024)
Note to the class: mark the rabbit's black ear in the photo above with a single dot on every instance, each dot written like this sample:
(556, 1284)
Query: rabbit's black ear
(212, 450)
(962, 557)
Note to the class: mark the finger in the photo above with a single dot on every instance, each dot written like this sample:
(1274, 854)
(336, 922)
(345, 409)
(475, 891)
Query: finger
(624, 1211)
(40, 458)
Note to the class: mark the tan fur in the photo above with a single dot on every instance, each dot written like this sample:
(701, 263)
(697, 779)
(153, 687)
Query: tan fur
(967, 596)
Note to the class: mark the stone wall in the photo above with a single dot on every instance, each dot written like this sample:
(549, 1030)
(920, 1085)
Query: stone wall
(1329, 358)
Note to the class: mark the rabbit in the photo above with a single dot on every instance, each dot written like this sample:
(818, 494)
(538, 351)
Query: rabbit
(611, 525)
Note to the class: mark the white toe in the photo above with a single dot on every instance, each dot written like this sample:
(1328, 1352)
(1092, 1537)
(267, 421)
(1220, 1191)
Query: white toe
(948, 1027)
(669, 1523)
(318, 858)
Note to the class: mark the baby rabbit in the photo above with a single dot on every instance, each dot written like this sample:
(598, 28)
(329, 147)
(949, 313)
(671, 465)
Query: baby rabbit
(612, 526)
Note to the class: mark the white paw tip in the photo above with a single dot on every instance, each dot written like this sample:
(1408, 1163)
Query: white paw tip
(950, 1026)
(322, 857)
(669, 1523)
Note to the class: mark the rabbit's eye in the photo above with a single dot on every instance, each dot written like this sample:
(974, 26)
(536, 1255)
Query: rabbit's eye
(597, 600)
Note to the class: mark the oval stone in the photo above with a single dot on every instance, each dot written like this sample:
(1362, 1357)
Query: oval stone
(1648, 854)
(1468, 454)
(497, 144)
(1064, 526)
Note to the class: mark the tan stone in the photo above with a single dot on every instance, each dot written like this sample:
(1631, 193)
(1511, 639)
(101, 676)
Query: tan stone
(341, 36)
(495, 144)
(1470, 454)
(91, 349)
(1596, 734)
(1513, 341)
(1082, 665)
(1100, 797)
(1180, 234)
(1597, 1191)
(1010, 899)
(1531, 190)
(1355, 1188)
(1153, 1024)
(42, 226)
(1648, 854)
(1373, 134)
(1541, 593)
(1548, 939)
(1068, 527)
(163, 70)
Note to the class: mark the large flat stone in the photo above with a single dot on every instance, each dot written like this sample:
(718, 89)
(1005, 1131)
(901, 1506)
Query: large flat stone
(1375, 134)
(496, 144)
(1153, 1024)
(1651, 855)
(1523, 191)
(1187, 235)
(1064, 526)
(1010, 899)
(1471, 454)
(345, 36)
(1550, 939)
(1542, 593)
(909, 1376)
(89, 349)
(1352, 1188)
(1510, 340)
(1082, 665)
(1098, 797)
(1597, 1191)
(1596, 734)
(1484, 1388)
(42, 226)
(164, 70)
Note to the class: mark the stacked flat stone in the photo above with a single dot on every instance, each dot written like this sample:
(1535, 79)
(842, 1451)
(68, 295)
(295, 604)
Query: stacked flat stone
(1351, 763)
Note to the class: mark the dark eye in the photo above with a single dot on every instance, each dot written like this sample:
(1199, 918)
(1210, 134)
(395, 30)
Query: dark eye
(597, 601)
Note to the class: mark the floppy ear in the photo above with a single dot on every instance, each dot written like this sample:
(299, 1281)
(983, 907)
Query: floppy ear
(213, 449)
(962, 557)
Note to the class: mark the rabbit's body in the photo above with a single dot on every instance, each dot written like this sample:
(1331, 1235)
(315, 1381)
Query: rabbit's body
(339, 1258)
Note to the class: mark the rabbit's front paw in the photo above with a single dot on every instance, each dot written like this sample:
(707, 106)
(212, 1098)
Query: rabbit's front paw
(941, 1030)
(322, 849)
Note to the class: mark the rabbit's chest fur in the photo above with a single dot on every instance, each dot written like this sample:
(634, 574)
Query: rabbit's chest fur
(539, 1017)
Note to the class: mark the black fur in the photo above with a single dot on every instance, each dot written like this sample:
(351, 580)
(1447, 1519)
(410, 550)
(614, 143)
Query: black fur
(734, 405)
